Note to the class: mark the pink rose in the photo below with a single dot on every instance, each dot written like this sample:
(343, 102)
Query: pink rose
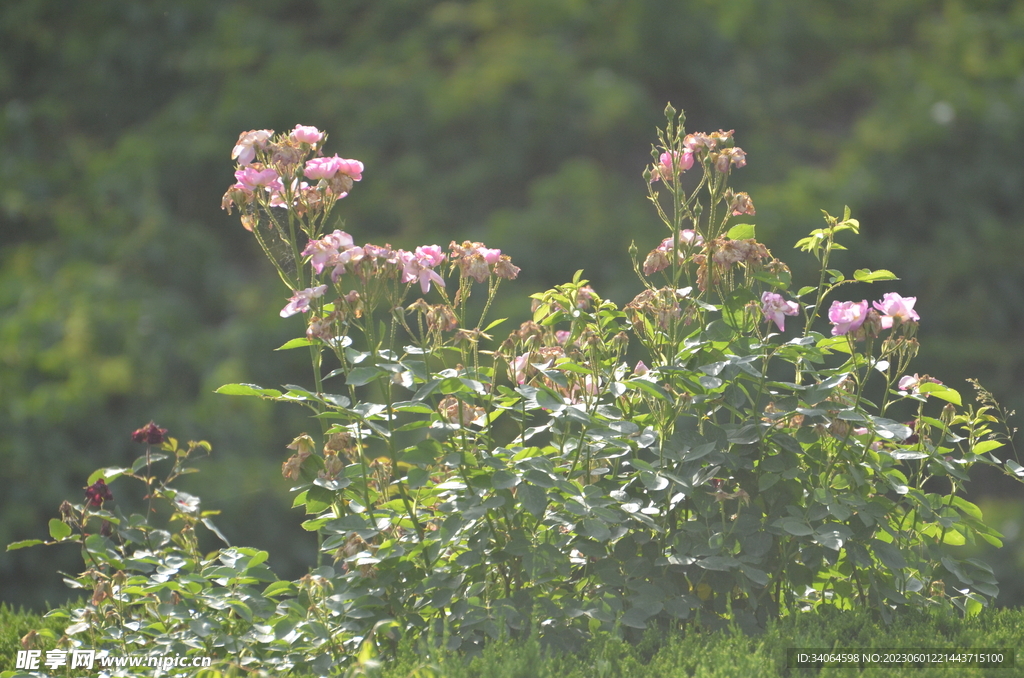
(326, 168)
(245, 148)
(322, 168)
(432, 254)
(251, 179)
(665, 169)
(775, 309)
(307, 135)
(847, 316)
(418, 266)
(894, 306)
(299, 302)
(353, 168)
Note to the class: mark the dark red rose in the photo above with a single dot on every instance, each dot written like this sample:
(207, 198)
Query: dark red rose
(97, 493)
(151, 434)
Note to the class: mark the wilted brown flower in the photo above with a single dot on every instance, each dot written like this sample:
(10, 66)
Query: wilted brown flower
(442, 318)
(303, 446)
(505, 269)
(742, 204)
(457, 412)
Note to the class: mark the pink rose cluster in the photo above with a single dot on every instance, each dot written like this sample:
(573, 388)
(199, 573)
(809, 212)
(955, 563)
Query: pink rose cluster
(860, 319)
(281, 157)
(717, 147)
(339, 252)
(479, 262)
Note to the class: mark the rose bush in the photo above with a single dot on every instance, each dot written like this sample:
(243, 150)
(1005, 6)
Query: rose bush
(687, 458)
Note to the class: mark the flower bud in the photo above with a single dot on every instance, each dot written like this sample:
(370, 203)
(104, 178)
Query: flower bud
(871, 326)
(948, 412)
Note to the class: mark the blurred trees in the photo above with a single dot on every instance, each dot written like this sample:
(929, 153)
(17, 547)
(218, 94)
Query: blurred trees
(126, 295)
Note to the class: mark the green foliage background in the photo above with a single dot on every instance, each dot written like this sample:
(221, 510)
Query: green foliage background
(127, 295)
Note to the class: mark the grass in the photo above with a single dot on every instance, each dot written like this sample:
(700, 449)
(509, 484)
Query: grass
(722, 654)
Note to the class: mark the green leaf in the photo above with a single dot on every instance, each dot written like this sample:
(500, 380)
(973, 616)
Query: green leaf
(832, 539)
(279, 587)
(533, 498)
(889, 555)
(987, 446)
(241, 609)
(954, 567)
(741, 232)
(295, 343)
(596, 529)
(504, 480)
(318, 499)
(796, 527)
(649, 387)
(417, 477)
(258, 559)
(953, 538)
(635, 617)
(841, 344)
(248, 390)
(59, 529)
(550, 400)
(723, 563)
(361, 376)
(867, 275)
(782, 280)
(108, 474)
(942, 392)
(718, 330)
(494, 324)
(213, 528)
(653, 481)
(759, 577)
(425, 453)
(25, 543)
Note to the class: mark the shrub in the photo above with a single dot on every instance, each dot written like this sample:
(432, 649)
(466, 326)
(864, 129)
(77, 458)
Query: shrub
(683, 459)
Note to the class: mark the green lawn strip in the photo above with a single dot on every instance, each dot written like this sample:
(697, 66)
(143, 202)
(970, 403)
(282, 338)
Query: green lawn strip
(727, 655)
(720, 654)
